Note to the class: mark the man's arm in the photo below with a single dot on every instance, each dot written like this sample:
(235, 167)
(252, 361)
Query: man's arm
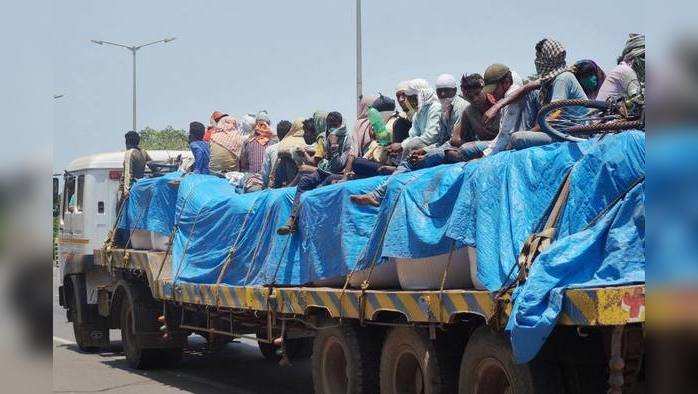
(430, 133)
(127, 171)
(515, 96)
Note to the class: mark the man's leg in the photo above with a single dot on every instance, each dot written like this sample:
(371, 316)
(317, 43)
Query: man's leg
(365, 168)
(466, 152)
(376, 196)
(307, 182)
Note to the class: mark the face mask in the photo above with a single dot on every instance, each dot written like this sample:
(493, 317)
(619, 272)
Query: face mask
(446, 102)
(539, 66)
(590, 82)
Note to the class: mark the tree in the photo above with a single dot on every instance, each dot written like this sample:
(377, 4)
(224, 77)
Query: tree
(168, 138)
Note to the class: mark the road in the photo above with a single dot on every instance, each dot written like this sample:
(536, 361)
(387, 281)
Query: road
(237, 368)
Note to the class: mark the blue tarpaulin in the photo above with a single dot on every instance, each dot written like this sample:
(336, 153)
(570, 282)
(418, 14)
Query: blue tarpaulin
(151, 205)
(493, 204)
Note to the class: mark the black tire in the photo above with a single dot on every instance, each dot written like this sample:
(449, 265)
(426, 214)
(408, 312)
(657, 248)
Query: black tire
(412, 363)
(488, 368)
(84, 330)
(345, 360)
(575, 133)
(137, 357)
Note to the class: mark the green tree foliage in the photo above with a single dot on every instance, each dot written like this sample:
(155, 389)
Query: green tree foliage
(168, 138)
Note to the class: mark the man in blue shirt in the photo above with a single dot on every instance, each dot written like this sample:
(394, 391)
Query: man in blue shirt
(556, 83)
(199, 148)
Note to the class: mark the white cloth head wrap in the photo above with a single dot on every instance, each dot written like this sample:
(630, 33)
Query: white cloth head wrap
(446, 81)
(401, 87)
(425, 94)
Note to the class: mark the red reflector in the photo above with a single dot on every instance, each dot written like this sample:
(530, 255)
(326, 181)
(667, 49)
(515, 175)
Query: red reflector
(115, 175)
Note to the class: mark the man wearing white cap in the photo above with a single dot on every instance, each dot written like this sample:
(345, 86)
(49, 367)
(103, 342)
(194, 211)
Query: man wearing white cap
(452, 105)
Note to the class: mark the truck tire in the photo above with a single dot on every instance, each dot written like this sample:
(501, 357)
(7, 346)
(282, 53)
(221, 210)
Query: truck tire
(345, 360)
(488, 368)
(137, 357)
(89, 329)
(412, 363)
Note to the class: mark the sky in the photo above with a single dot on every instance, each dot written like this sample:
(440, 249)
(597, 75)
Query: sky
(290, 58)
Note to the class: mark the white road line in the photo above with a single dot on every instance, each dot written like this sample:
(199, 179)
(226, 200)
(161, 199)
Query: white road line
(63, 341)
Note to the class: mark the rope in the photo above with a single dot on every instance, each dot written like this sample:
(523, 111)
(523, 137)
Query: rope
(535, 243)
(175, 227)
(366, 282)
(443, 279)
(233, 249)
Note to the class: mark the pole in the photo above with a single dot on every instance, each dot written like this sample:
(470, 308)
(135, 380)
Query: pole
(133, 50)
(359, 83)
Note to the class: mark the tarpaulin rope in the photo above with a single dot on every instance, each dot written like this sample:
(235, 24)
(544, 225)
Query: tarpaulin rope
(443, 279)
(175, 227)
(234, 247)
(533, 246)
(366, 282)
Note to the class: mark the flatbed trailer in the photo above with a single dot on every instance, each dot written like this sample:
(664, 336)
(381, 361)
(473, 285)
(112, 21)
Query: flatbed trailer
(601, 306)
(366, 340)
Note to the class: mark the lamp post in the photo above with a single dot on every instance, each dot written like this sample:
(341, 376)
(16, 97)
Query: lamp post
(359, 82)
(134, 49)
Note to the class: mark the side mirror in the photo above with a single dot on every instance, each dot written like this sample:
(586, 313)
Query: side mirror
(56, 199)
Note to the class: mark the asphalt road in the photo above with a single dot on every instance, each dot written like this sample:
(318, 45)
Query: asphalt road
(237, 368)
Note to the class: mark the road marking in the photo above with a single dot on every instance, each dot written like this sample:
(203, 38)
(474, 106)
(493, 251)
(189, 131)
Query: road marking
(63, 341)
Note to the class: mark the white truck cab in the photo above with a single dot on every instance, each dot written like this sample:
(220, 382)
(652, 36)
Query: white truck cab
(88, 204)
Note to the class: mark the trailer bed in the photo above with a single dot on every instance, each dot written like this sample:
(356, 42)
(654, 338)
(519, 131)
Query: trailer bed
(602, 306)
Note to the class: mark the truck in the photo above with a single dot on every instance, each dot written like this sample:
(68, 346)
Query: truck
(360, 340)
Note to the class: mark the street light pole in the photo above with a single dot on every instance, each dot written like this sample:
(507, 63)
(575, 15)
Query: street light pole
(359, 82)
(134, 88)
(133, 49)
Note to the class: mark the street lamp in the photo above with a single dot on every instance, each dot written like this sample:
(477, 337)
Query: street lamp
(134, 49)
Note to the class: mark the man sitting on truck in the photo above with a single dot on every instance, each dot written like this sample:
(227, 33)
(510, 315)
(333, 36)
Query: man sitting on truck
(425, 132)
(135, 160)
(556, 82)
(335, 166)
(199, 148)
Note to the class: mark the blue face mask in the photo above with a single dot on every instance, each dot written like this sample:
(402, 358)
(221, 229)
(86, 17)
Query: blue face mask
(590, 82)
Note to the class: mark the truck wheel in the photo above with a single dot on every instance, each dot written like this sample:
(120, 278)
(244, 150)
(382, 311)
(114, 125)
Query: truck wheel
(89, 328)
(488, 368)
(345, 360)
(137, 357)
(412, 363)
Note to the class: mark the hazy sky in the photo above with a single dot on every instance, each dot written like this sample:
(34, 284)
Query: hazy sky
(290, 57)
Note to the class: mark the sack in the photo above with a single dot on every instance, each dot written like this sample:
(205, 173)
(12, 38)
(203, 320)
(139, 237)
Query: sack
(383, 103)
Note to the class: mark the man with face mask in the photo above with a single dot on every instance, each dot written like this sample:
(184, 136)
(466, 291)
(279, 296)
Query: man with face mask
(452, 107)
(424, 136)
(556, 82)
(421, 98)
(334, 166)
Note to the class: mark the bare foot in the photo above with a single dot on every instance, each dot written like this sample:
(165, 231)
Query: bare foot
(365, 199)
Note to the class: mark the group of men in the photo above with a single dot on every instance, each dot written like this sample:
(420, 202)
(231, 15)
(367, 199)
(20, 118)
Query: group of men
(494, 112)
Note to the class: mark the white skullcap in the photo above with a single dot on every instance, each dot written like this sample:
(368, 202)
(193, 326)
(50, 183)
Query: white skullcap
(415, 85)
(402, 86)
(446, 81)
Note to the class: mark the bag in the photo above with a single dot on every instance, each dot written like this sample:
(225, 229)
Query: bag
(383, 103)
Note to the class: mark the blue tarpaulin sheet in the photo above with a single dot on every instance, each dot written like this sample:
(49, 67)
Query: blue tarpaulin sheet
(151, 205)
(493, 204)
